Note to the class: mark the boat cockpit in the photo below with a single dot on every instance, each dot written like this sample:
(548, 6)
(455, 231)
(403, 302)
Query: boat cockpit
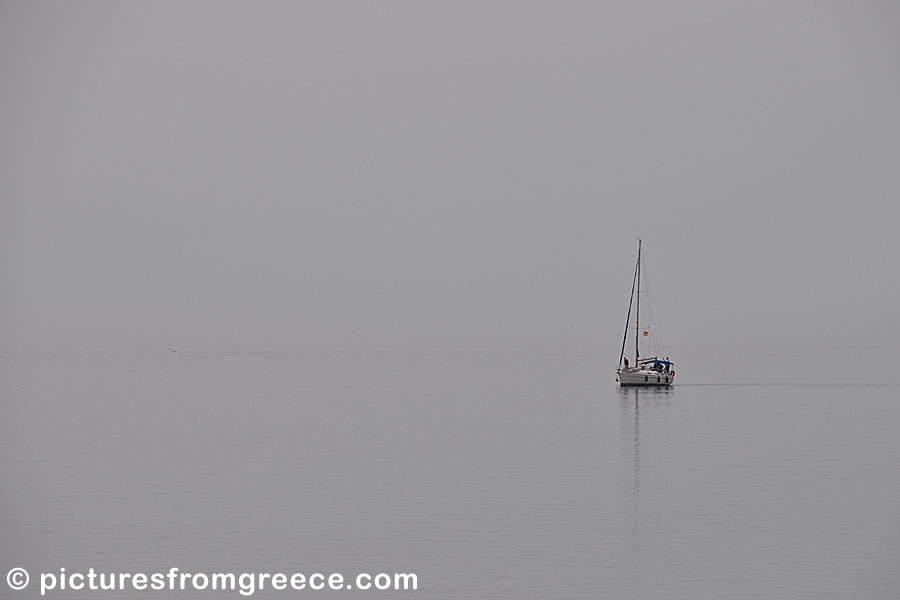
(658, 365)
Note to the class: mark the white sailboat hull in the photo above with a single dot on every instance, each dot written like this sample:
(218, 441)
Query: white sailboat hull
(645, 377)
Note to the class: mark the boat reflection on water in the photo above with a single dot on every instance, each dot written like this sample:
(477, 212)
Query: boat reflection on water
(644, 409)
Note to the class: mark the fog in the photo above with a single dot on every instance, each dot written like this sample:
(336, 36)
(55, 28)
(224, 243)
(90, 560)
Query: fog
(235, 175)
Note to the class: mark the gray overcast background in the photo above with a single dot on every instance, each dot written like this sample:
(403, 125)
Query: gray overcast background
(199, 174)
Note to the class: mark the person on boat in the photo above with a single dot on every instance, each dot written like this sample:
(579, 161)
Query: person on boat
(626, 362)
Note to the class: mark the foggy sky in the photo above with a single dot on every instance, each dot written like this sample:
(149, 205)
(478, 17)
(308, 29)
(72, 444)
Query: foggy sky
(168, 164)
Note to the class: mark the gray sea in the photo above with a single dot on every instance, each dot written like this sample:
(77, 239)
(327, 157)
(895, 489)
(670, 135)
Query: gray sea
(493, 470)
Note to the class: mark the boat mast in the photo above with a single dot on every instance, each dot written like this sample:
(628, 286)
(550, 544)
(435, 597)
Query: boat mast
(637, 306)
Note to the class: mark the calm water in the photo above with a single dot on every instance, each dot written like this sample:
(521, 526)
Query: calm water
(492, 472)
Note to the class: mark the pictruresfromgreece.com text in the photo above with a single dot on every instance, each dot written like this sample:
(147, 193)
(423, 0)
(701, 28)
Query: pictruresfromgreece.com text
(245, 583)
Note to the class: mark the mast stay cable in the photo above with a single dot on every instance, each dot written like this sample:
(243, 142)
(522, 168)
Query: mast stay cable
(628, 318)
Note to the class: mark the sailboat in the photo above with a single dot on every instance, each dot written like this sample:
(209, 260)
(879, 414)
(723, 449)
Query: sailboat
(657, 371)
